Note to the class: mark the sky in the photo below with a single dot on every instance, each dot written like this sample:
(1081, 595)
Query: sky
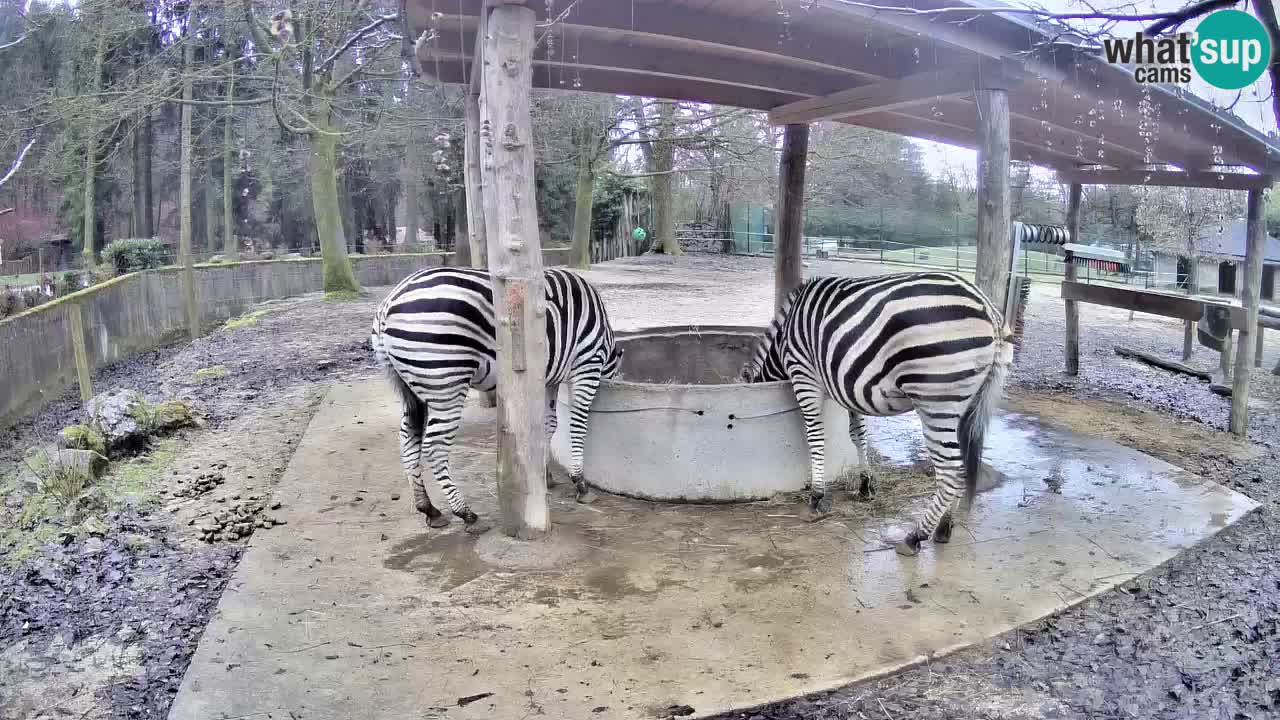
(1253, 107)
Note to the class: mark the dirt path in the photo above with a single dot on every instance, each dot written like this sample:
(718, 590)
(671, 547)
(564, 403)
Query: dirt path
(103, 626)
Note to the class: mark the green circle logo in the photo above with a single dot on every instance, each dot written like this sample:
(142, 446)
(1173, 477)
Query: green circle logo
(1232, 49)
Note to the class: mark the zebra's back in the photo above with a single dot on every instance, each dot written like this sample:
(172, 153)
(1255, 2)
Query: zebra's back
(877, 342)
(436, 328)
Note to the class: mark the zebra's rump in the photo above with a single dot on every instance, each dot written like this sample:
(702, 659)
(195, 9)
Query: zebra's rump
(919, 335)
(436, 328)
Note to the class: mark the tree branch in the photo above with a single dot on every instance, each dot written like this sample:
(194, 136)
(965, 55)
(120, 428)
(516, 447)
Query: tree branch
(360, 34)
(13, 43)
(1267, 13)
(17, 163)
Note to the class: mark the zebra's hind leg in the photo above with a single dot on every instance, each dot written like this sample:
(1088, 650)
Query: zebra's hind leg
(809, 395)
(942, 440)
(582, 391)
(550, 424)
(412, 421)
(444, 414)
(858, 434)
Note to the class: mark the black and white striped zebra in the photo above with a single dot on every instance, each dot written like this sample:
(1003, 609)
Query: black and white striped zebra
(435, 334)
(927, 341)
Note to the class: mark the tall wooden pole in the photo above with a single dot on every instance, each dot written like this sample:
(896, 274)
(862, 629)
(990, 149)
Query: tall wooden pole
(471, 154)
(1249, 296)
(1072, 346)
(788, 247)
(994, 253)
(515, 261)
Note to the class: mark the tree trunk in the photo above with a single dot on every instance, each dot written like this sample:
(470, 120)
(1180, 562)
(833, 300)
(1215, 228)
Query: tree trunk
(210, 211)
(664, 153)
(788, 248)
(473, 180)
(338, 275)
(994, 251)
(91, 159)
(409, 180)
(580, 252)
(462, 238)
(138, 213)
(230, 247)
(148, 202)
(1189, 326)
(184, 183)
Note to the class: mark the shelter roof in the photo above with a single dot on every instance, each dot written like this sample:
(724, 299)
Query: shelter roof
(917, 73)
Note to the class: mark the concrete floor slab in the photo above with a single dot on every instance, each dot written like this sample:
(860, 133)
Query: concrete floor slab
(355, 609)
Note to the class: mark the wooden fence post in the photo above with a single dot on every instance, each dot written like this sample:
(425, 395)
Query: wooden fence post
(79, 349)
(515, 262)
(1072, 346)
(1250, 290)
(994, 254)
(472, 179)
(788, 252)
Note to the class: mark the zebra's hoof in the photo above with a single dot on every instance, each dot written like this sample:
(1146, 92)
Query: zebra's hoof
(479, 527)
(866, 487)
(909, 547)
(942, 533)
(439, 520)
(586, 495)
(820, 504)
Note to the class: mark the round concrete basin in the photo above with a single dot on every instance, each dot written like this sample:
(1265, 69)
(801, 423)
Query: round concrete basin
(680, 425)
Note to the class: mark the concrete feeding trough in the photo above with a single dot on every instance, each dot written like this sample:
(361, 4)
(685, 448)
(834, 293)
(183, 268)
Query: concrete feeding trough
(680, 425)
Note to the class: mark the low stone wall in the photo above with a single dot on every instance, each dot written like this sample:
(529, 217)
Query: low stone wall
(142, 311)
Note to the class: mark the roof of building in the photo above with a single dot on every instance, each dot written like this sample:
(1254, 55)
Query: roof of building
(1229, 241)
(1073, 108)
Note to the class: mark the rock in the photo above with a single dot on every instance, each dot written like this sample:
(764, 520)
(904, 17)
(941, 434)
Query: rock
(116, 417)
(87, 463)
(172, 415)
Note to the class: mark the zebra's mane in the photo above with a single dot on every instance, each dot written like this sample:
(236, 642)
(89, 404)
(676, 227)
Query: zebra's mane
(764, 345)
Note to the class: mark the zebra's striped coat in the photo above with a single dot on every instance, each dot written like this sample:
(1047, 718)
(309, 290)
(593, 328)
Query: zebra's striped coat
(929, 342)
(435, 334)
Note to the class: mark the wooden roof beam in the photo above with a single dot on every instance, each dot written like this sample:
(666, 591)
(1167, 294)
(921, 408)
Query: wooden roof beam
(1166, 178)
(878, 97)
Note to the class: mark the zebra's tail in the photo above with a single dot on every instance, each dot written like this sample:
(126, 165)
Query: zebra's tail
(415, 407)
(976, 417)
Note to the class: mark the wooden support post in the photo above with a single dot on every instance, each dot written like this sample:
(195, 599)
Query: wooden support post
(471, 178)
(515, 262)
(1225, 359)
(1072, 346)
(994, 253)
(789, 244)
(1257, 347)
(1249, 296)
(76, 316)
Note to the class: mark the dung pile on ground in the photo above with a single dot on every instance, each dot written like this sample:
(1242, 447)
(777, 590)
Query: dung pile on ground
(237, 520)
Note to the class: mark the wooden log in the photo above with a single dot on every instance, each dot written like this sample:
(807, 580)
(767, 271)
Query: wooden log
(515, 261)
(1072, 347)
(471, 176)
(1250, 290)
(993, 247)
(1163, 364)
(788, 250)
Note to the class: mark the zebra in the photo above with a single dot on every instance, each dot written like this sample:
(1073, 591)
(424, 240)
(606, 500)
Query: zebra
(434, 333)
(885, 345)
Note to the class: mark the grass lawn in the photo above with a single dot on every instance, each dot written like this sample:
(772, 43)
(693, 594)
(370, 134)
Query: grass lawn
(25, 280)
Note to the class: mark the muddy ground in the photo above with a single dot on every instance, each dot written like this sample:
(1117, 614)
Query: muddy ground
(103, 626)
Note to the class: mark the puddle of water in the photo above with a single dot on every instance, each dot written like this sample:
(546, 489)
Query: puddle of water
(449, 557)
